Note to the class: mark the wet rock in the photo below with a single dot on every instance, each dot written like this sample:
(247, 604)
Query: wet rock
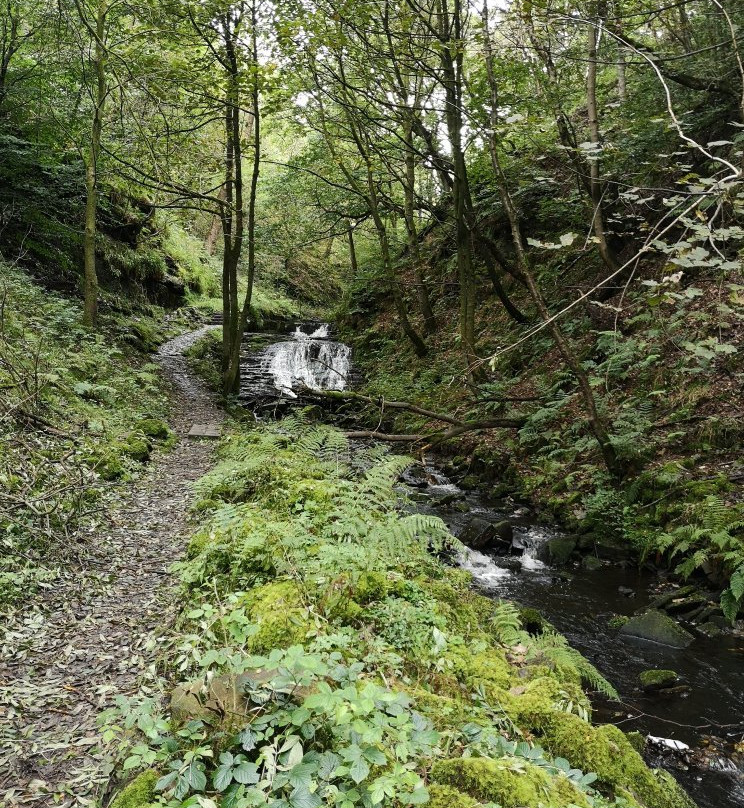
(656, 679)
(684, 605)
(611, 549)
(469, 482)
(415, 476)
(668, 597)
(448, 499)
(657, 627)
(560, 549)
(710, 629)
(627, 591)
(461, 507)
(419, 496)
(480, 534)
(591, 563)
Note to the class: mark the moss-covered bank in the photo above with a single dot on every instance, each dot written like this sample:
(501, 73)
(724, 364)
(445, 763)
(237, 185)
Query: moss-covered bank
(330, 657)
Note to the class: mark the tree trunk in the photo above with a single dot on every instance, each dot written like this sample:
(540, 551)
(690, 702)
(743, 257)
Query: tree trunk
(232, 376)
(409, 190)
(595, 181)
(451, 58)
(352, 253)
(92, 171)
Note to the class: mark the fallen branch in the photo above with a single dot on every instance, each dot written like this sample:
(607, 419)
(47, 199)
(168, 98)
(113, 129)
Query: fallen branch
(435, 438)
(382, 403)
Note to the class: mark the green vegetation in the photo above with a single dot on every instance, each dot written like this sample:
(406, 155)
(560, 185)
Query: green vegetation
(77, 411)
(329, 658)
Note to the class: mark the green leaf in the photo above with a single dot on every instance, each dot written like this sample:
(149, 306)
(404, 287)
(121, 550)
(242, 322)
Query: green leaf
(729, 605)
(166, 781)
(418, 797)
(737, 583)
(195, 777)
(359, 770)
(302, 774)
(222, 777)
(247, 740)
(304, 798)
(246, 773)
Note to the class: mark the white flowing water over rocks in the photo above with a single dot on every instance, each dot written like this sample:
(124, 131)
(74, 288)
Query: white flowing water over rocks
(309, 360)
(306, 357)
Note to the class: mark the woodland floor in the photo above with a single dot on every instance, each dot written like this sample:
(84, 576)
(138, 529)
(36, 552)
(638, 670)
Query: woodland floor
(96, 633)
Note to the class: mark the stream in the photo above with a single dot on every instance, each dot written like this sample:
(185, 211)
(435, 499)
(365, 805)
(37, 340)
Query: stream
(278, 363)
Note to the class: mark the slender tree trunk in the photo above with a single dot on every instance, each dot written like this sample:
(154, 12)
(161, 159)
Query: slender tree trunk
(451, 57)
(409, 190)
(232, 377)
(92, 171)
(595, 181)
(352, 253)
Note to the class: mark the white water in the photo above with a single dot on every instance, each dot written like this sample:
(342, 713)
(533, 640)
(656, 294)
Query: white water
(310, 360)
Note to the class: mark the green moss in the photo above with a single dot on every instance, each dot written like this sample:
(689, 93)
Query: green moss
(488, 669)
(280, 614)
(533, 705)
(136, 447)
(447, 713)
(371, 586)
(608, 752)
(139, 793)
(655, 679)
(153, 428)
(448, 797)
(522, 785)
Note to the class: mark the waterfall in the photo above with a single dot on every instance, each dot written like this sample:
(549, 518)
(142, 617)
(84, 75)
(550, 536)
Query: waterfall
(311, 360)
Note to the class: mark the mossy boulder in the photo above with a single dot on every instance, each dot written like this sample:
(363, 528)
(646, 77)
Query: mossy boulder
(153, 428)
(139, 793)
(523, 786)
(606, 751)
(447, 797)
(533, 705)
(136, 447)
(280, 614)
(657, 627)
(486, 669)
(561, 548)
(656, 679)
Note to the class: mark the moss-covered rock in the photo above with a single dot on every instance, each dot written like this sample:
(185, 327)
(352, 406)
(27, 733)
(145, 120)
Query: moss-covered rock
(511, 786)
(153, 428)
(136, 447)
(656, 679)
(608, 752)
(561, 548)
(657, 627)
(533, 706)
(280, 614)
(447, 797)
(139, 793)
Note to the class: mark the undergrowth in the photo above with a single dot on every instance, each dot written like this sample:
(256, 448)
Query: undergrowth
(328, 655)
(78, 410)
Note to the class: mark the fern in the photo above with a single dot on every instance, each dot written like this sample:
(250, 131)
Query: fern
(554, 650)
(507, 624)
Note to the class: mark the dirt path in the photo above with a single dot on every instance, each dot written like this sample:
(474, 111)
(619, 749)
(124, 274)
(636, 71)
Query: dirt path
(95, 634)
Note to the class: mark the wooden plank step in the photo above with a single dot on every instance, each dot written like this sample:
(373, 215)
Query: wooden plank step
(205, 431)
